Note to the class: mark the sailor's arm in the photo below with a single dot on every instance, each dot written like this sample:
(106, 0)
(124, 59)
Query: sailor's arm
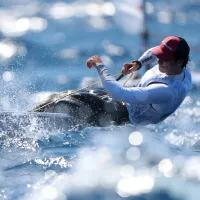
(148, 58)
(153, 94)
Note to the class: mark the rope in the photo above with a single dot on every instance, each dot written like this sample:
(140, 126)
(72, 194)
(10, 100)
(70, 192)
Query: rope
(68, 94)
(128, 79)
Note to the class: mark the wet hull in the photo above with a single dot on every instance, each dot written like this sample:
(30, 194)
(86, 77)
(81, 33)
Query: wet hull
(87, 109)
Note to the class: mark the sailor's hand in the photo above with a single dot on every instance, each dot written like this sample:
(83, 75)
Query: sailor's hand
(93, 61)
(130, 67)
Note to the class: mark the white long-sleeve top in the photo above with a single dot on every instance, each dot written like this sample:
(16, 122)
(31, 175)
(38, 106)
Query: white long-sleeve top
(157, 95)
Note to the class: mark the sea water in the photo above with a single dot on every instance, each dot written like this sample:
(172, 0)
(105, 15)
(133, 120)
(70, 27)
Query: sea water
(43, 48)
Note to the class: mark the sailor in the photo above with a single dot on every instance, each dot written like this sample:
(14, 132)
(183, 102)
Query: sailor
(161, 90)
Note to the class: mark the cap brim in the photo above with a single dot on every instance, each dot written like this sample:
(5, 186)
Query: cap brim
(162, 55)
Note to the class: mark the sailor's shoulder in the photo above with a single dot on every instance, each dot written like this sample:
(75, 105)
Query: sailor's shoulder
(184, 83)
(188, 72)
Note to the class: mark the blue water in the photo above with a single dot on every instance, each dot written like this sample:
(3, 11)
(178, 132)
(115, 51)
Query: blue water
(48, 54)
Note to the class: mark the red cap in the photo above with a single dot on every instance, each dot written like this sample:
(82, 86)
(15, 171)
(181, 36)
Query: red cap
(166, 50)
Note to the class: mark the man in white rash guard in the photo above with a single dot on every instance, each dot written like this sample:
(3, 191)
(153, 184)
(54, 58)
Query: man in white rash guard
(161, 90)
